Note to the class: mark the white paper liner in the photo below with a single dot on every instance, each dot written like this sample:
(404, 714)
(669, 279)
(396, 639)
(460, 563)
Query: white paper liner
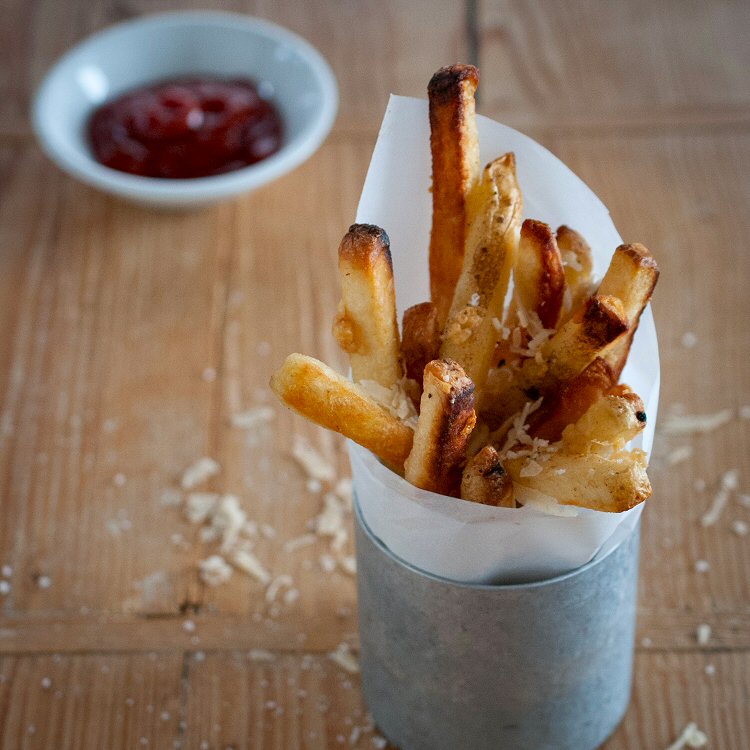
(444, 536)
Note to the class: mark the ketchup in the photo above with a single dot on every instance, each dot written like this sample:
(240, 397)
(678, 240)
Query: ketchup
(188, 127)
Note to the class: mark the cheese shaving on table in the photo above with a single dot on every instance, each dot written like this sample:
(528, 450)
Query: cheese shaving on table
(281, 581)
(691, 737)
(203, 469)
(214, 570)
(394, 400)
(685, 424)
(345, 658)
(228, 520)
(680, 454)
(703, 634)
(298, 542)
(200, 505)
(252, 418)
(729, 482)
(260, 654)
(343, 490)
(249, 563)
(312, 463)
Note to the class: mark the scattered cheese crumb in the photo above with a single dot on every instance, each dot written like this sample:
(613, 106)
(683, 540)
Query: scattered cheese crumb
(252, 418)
(646, 642)
(680, 454)
(702, 566)
(268, 531)
(171, 498)
(703, 634)
(691, 737)
(214, 570)
(200, 505)
(685, 424)
(689, 339)
(745, 412)
(313, 486)
(263, 348)
(312, 463)
(4, 588)
(348, 565)
(260, 654)
(291, 596)
(729, 481)
(699, 485)
(298, 542)
(275, 586)
(46, 683)
(379, 743)
(7, 571)
(209, 374)
(188, 626)
(343, 490)
(228, 520)
(474, 301)
(531, 468)
(331, 520)
(744, 500)
(740, 527)
(327, 563)
(710, 669)
(44, 582)
(249, 563)
(345, 658)
(119, 480)
(203, 469)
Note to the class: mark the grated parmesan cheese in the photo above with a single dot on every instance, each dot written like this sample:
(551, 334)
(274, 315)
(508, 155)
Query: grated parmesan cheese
(685, 424)
(252, 418)
(327, 563)
(281, 581)
(394, 400)
(729, 482)
(680, 454)
(740, 527)
(703, 634)
(199, 472)
(702, 566)
(311, 462)
(691, 737)
(343, 490)
(214, 570)
(249, 563)
(260, 654)
(349, 565)
(345, 658)
(200, 505)
(571, 260)
(298, 542)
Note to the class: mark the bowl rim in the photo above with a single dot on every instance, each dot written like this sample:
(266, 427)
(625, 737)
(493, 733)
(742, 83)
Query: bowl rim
(84, 166)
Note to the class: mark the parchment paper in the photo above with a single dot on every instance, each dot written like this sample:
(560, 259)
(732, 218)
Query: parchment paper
(444, 536)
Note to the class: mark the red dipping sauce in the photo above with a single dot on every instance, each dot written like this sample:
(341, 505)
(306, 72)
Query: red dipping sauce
(190, 127)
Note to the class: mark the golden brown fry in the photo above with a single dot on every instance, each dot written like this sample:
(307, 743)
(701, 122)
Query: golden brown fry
(578, 263)
(486, 481)
(366, 325)
(632, 276)
(319, 393)
(608, 483)
(608, 424)
(583, 338)
(571, 401)
(454, 143)
(446, 419)
(538, 274)
(470, 334)
(420, 339)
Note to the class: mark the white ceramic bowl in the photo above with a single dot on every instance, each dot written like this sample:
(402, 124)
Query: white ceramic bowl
(171, 45)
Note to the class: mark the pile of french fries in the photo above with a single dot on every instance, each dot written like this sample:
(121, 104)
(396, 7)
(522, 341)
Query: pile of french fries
(493, 391)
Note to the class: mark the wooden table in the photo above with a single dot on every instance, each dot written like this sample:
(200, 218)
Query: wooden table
(115, 320)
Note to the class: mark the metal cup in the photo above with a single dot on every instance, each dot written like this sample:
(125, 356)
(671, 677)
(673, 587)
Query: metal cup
(447, 665)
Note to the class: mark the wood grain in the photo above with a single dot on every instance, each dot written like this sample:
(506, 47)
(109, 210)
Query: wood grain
(635, 65)
(131, 337)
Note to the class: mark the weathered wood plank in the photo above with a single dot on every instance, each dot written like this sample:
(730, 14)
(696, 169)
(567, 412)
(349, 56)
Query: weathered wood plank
(65, 703)
(607, 65)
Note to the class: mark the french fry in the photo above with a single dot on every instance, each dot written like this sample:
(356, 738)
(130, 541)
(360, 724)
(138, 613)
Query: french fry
(446, 419)
(572, 401)
(578, 263)
(366, 325)
(632, 276)
(608, 424)
(319, 393)
(470, 334)
(485, 480)
(584, 337)
(454, 143)
(538, 273)
(420, 339)
(608, 483)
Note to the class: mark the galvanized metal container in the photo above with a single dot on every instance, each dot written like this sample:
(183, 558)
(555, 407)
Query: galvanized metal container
(525, 666)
